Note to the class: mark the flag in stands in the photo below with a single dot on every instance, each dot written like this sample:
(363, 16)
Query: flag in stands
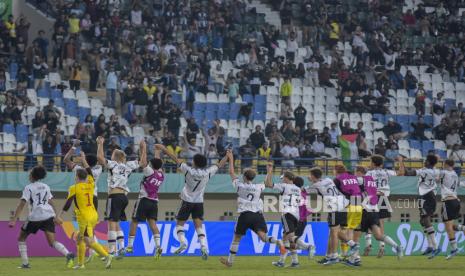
(349, 150)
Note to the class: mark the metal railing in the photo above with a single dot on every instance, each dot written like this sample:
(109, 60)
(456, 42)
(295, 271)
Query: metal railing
(48, 7)
(24, 162)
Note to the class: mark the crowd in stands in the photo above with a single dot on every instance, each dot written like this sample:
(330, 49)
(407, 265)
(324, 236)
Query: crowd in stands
(152, 59)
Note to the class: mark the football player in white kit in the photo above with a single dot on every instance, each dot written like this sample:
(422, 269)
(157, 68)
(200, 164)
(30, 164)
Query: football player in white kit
(96, 170)
(289, 206)
(42, 216)
(449, 183)
(427, 185)
(196, 178)
(250, 208)
(118, 174)
(381, 177)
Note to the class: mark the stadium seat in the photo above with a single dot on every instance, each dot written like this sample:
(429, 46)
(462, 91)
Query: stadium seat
(9, 128)
(22, 132)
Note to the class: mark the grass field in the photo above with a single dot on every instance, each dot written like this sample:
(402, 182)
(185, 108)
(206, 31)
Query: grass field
(243, 266)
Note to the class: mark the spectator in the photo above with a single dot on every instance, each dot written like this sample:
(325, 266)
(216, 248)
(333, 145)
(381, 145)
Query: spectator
(324, 76)
(419, 129)
(42, 42)
(245, 111)
(269, 127)
(111, 86)
(458, 155)
(392, 128)
(453, 138)
(49, 149)
(257, 137)
(233, 90)
(286, 90)
(190, 148)
(30, 150)
(289, 152)
(75, 78)
(65, 147)
(286, 111)
(441, 130)
(113, 145)
(420, 100)
(264, 156)
(380, 148)
(439, 104)
(242, 58)
(192, 128)
(300, 114)
(391, 155)
(247, 153)
(345, 126)
(318, 146)
(58, 39)
(334, 133)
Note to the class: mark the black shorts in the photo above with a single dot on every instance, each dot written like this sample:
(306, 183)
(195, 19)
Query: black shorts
(145, 209)
(250, 220)
(300, 228)
(427, 204)
(189, 208)
(384, 208)
(368, 220)
(31, 227)
(450, 210)
(289, 223)
(116, 206)
(337, 219)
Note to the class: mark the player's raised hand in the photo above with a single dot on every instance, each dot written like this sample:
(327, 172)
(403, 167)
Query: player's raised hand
(83, 155)
(76, 143)
(100, 140)
(12, 223)
(142, 144)
(269, 167)
(229, 154)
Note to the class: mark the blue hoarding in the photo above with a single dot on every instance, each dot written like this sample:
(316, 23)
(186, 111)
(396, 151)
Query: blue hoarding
(219, 236)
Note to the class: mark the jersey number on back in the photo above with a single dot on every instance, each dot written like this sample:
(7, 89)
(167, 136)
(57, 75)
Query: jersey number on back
(41, 200)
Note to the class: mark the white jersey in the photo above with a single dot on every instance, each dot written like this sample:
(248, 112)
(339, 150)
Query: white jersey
(449, 182)
(118, 173)
(381, 177)
(37, 195)
(195, 182)
(248, 196)
(427, 180)
(290, 198)
(335, 201)
(96, 172)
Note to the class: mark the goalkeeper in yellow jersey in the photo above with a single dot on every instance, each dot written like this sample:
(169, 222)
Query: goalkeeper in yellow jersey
(82, 194)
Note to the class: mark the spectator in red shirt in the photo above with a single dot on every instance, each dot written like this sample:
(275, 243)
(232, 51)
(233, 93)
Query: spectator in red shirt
(409, 18)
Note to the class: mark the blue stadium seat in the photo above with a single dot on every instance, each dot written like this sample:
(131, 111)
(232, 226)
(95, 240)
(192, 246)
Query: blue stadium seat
(260, 99)
(248, 98)
(22, 132)
(388, 116)
(450, 104)
(405, 125)
(43, 93)
(83, 112)
(59, 102)
(428, 119)
(199, 107)
(187, 114)
(379, 118)
(415, 144)
(9, 128)
(223, 111)
(199, 115)
(412, 92)
(124, 141)
(211, 107)
(429, 94)
(442, 154)
(56, 94)
(413, 119)
(211, 115)
(234, 111)
(259, 108)
(71, 107)
(428, 145)
(176, 99)
(257, 115)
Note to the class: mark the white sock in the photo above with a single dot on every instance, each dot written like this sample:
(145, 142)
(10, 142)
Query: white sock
(301, 244)
(453, 244)
(23, 252)
(333, 255)
(351, 243)
(389, 241)
(156, 238)
(61, 248)
(282, 257)
(294, 256)
(181, 235)
(201, 236)
(131, 241)
(431, 238)
(112, 241)
(381, 244)
(120, 239)
(233, 251)
(368, 239)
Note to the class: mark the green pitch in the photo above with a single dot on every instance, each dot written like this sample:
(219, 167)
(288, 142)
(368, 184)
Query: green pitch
(244, 265)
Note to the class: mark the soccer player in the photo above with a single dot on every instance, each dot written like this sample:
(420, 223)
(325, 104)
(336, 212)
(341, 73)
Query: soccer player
(82, 194)
(146, 207)
(304, 212)
(42, 216)
(196, 178)
(448, 183)
(370, 217)
(336, 203)
(427, 185)
(290, 202)
(250, 209)
(96, 171)
(381, 177)
(350, 188)
(119, 171)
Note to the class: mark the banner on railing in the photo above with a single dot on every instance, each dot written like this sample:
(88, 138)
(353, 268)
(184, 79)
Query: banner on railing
(219, 236)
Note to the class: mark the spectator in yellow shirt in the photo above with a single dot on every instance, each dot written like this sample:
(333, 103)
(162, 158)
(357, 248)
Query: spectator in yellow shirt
(73, 24)
(150, 89)
(286, 90)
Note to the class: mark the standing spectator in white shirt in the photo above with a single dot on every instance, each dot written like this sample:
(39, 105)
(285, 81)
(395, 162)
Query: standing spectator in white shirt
(136, 16)
(292, 47)
(311, 72)
(242, 58)
(318, 146)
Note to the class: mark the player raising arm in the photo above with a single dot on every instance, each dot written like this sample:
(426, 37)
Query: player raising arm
(119, 171)
(41, 216)
(146, 206)
(81, 194)
(196, 180)
(427, 185)
(250, 209)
